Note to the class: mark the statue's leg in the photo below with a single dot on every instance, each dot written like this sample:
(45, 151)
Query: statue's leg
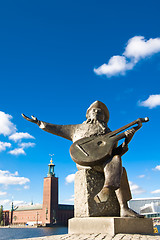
(123, 194)
(112, 173)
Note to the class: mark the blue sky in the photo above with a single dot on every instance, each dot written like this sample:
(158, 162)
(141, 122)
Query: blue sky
(56, 58)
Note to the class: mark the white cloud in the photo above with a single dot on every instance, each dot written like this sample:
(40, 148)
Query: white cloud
(70, 178)
(4, 145)
(7, 203)
(26, 145)
(8, 178)
(17, 151)
(156, 191)
(70, 199)
(4, 202)
(26, 187)
(16, 173)
(6, 172)
(116, 65)
(6, 126)
(157, 168)
(137, 48)
(20, 135)
(152, 102)
(135, 189)
(141, 176)
(19, 203)
(3, 193)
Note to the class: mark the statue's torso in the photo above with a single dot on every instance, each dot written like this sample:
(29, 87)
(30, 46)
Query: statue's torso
(89, 129)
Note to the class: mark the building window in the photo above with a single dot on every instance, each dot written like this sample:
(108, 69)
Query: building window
(46, 213)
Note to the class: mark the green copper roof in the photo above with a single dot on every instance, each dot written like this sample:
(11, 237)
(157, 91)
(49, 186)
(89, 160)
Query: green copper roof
(28, 207)
(51, 169)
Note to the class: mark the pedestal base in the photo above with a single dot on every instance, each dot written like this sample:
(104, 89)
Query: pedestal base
(110, 225)
(87, 184)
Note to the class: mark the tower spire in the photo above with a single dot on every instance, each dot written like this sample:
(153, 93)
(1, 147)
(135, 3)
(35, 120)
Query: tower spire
(51, 168)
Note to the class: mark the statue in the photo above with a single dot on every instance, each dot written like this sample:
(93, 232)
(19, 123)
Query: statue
(95, 127)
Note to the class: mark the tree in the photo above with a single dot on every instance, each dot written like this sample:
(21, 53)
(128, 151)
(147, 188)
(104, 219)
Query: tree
(1, 215)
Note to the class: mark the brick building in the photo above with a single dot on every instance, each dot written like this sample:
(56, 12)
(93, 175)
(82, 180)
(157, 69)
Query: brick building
(48, 213)
(6, 216)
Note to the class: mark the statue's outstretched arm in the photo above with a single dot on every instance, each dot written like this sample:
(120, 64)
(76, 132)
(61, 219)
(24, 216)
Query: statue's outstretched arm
(65, 131)
(32, 119)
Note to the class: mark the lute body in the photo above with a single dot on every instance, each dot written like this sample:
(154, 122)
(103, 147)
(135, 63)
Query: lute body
(93, 150)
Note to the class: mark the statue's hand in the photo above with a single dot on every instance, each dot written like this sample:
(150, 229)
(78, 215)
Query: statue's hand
(32, 119)
(129, 135)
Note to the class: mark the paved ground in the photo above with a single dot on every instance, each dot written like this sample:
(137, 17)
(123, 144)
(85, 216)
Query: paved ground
(98, 237)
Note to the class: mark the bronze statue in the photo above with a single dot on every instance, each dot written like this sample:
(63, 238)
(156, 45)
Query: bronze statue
(93, 133)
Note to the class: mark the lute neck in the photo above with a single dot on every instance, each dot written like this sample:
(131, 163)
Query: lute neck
(138, 121)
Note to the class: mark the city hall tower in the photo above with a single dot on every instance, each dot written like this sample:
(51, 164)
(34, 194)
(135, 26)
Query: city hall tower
(50, 196)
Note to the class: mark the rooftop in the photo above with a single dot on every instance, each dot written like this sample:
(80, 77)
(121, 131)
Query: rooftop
(28, 207)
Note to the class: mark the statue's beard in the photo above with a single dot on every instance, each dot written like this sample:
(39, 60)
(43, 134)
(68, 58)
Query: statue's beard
(101, 123)
(95, 120)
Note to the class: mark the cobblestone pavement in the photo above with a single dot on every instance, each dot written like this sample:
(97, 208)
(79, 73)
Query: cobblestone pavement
(97, 237)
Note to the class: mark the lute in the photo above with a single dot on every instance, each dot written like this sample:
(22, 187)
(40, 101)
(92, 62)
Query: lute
(93, 150)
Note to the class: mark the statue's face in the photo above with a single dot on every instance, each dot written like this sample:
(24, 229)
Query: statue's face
(97, 114)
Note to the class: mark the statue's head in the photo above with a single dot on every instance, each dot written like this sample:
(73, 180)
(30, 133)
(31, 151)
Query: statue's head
(99, 111)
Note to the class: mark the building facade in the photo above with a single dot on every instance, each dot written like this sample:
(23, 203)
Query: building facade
(48, 213)
(150, 207)
(6, 217)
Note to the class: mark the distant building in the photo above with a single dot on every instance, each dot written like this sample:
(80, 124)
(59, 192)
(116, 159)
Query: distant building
(150, 207)
(6, 214)
(48, 213)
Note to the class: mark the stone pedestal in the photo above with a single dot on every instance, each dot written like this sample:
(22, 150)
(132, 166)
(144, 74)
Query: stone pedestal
(87, 184)
(110, 225)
